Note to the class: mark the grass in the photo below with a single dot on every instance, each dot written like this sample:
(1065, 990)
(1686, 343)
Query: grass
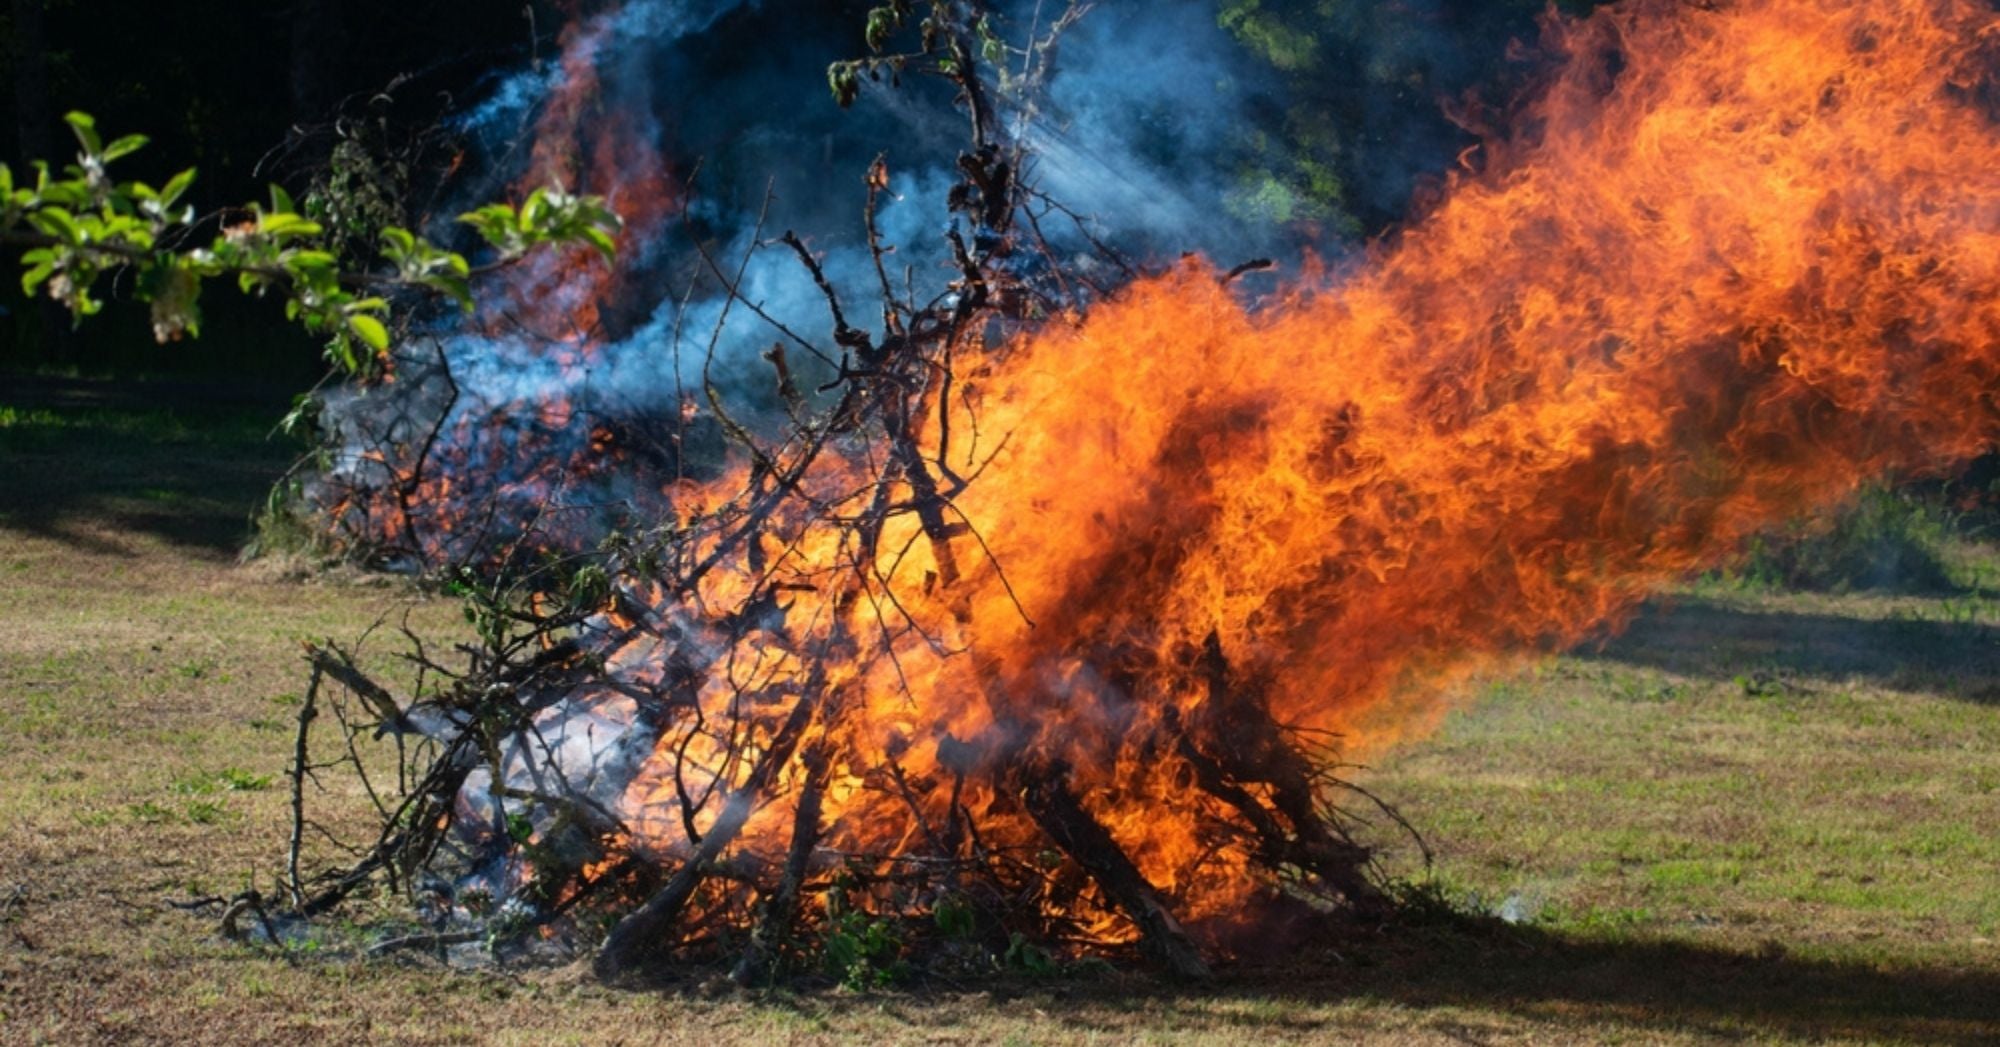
(1757, 814)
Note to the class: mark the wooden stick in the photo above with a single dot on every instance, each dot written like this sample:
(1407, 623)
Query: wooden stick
(300, 767)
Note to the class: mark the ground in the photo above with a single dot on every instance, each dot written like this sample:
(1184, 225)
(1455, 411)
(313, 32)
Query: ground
(1754, 815)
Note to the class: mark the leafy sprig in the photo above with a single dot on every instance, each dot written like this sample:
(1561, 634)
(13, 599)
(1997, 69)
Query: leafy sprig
(81, 225)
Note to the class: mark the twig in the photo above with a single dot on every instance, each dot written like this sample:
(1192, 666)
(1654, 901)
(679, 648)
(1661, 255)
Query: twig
(425, 940)
(308, 710)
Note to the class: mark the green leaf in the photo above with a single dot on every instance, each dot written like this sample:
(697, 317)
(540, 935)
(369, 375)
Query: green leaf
(125, 146)
(531, 211)
(369, 330)
(58, 223)
(287, 224)
(882, 23)
(603, 242)
(176, 185)
(844, 80)
(310, 261)
(42, 265)
(341, 350)
(86, 132)
(281, 201)
(456, 288)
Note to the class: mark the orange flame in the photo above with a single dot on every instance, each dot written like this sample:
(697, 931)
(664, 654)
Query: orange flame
(583, 146)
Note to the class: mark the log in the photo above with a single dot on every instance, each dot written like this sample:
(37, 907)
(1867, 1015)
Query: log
(783, 908)
(1054, 806)
(637, 937)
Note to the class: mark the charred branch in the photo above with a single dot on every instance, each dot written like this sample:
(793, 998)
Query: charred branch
(1247, 746)
(643, 933)
(774, 929)
(1045, 792)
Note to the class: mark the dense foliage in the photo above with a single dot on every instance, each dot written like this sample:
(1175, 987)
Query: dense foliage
(1374, 96)
(248, 93)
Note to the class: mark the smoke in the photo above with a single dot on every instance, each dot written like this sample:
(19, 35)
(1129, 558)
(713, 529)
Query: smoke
(709, 125)
(1136, 136)
(1144, 128)
(623, 32)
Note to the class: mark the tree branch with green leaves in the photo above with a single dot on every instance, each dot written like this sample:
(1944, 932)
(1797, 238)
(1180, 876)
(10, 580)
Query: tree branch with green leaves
(81, 226)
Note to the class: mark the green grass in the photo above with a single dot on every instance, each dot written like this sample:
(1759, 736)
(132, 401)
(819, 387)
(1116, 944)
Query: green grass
(63, 429)
(1758, 814)
(1847, 816)
(106, 472)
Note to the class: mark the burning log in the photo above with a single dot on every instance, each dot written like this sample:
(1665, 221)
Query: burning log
(782, 909)
(1046, 793)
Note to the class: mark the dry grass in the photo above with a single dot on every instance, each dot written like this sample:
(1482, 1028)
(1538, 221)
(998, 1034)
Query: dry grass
(1757, 815)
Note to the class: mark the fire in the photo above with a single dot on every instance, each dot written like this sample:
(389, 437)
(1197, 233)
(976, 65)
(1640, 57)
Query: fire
(1730, 263)
(603, 154)
(1725, 265)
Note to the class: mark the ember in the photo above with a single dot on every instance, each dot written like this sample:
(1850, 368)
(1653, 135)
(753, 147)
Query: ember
(1070, 624)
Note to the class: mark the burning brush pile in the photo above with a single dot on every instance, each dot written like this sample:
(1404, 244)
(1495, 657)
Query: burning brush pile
(1044, 612)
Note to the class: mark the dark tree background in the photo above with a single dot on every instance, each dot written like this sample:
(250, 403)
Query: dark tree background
(1373, 92)
(247, 92)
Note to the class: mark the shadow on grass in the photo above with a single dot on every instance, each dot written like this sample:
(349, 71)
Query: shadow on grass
(1951, 653)
(1670, 986)
(85, 463)
(1482, 978)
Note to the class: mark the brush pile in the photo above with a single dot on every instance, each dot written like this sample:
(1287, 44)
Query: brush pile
(764, 734)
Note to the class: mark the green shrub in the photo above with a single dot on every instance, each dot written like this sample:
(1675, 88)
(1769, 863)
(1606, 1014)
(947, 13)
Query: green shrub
(1886, 540)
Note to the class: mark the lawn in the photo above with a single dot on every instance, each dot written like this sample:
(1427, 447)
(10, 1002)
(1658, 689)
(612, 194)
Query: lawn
(1756, 814)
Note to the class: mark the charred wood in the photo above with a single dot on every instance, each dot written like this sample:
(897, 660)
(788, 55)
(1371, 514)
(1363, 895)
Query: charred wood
(1046, 793)
(1247, 746)
(641, 934)
(779, 914)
